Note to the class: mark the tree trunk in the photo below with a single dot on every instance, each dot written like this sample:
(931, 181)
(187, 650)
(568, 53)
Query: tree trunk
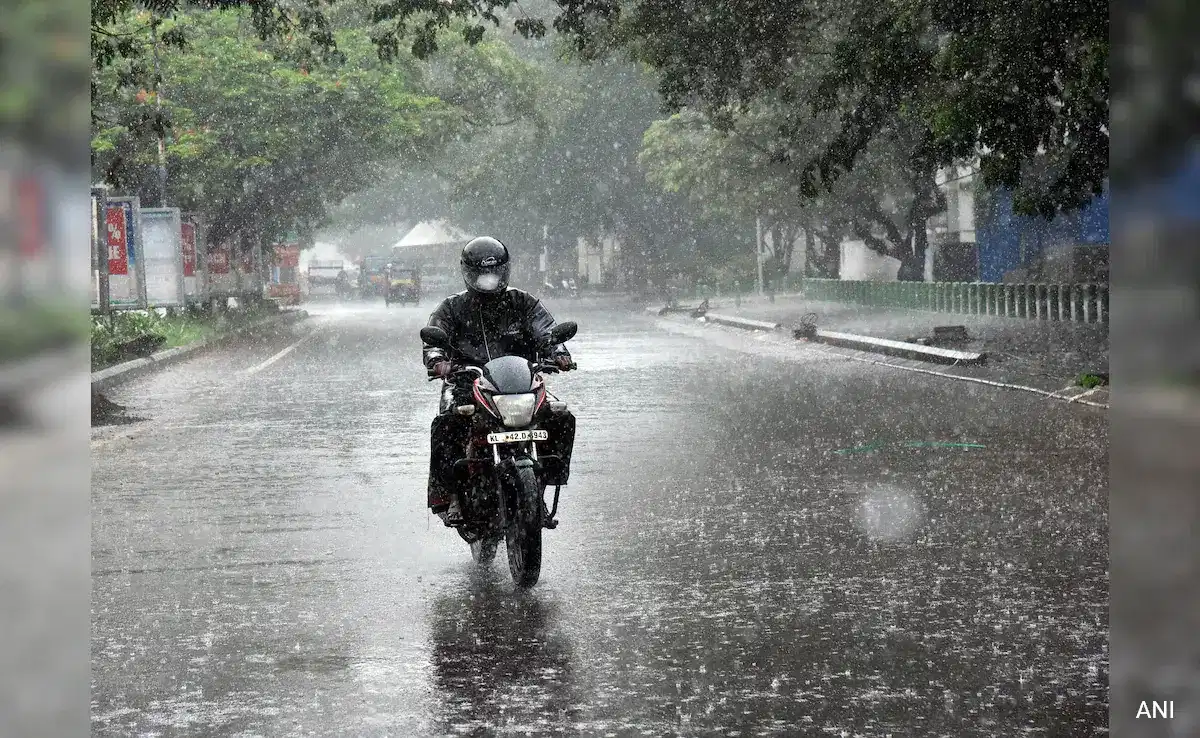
(824, 254)
(927, 201)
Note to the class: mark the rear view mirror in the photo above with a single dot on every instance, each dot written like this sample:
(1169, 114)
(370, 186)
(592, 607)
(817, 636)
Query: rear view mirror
(563, 332)
(435, 337)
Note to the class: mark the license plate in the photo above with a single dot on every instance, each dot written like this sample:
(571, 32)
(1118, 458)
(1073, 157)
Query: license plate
(518, 436)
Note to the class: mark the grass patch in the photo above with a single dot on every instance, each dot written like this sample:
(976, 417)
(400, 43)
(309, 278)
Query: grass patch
(1091, 381)
(110, 333)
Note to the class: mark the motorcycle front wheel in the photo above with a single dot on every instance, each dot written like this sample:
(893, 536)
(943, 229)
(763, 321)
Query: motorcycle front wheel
(524, 535)
(483, 551)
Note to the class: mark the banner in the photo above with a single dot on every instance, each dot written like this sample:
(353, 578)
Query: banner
(188, 239)
(116, 233)
(193, 281)
(287, 255)
(126, 281)
(162, 252)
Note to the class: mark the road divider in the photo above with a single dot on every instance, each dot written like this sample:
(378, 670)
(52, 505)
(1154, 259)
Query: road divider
(744, 323)
(128, 370)
(902, 349)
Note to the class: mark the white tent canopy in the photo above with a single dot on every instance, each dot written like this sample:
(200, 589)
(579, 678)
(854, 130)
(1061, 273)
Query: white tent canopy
(432, 233)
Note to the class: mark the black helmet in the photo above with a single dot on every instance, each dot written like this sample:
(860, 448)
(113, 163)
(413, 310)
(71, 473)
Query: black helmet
(485, 266)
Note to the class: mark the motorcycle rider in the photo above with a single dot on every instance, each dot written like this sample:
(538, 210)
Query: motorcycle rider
(486, 321)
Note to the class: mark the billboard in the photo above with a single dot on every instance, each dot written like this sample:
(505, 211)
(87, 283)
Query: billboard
(191, 267)
(162, 256)
(126, 271)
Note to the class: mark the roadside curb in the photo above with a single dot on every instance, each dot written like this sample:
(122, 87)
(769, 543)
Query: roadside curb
(128, 370)
(1077, 396)
(870, 344)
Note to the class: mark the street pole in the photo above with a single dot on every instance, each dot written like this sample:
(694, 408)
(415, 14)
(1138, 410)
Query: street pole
(100, 247)
(162, 142)
(758, 237)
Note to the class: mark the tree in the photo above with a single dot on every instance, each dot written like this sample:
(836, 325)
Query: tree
(886, 200)
(570, 168)
(1004, 81)
(260, 145)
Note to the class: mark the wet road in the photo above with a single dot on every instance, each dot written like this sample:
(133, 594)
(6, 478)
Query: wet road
(263, 564)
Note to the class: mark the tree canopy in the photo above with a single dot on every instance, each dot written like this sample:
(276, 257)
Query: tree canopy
(1010, 82)
(263, 139)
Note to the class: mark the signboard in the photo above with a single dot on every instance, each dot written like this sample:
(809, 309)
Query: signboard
(187, 240)
(219, 258)
(199, 237)
(249, 277)
(126, 281)
(287, 255)
(162, 252)
(98, 247)
(221, 279)
(117, 232)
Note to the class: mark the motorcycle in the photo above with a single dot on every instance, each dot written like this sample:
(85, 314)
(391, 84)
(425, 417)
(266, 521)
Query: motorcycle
(565, 288)
(503, 497)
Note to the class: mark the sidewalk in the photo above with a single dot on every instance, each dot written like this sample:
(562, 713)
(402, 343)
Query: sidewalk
(1047, 355)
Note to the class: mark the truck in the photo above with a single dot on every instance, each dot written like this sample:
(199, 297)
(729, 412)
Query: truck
(326, 277)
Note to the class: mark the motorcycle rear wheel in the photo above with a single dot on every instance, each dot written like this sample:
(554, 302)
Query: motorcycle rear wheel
(524, 536)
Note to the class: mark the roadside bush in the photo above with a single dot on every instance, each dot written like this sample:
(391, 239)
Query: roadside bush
(110, 333)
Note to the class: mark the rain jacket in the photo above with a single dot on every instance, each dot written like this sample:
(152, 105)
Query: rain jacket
(513, 323)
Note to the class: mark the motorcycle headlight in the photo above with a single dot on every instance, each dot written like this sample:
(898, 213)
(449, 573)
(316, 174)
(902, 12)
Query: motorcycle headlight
(515, 410)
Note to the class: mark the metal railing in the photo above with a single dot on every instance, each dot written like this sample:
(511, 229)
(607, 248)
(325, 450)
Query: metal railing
(1082, 303)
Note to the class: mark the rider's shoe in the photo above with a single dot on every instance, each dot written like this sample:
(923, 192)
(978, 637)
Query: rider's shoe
(452, 516)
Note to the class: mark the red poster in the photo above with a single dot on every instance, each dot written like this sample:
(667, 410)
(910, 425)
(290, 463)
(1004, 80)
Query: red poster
(188, 239)
(287, 255)
(218, 259)
(115, 235)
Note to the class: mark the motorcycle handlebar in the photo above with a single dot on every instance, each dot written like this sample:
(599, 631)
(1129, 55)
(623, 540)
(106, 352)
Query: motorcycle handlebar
(541, 367)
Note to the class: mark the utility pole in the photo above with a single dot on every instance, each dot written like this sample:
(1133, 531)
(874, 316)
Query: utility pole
(758, 247)
(162, 135)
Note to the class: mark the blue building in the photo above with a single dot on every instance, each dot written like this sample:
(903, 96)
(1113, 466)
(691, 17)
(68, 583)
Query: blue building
(1007, 241)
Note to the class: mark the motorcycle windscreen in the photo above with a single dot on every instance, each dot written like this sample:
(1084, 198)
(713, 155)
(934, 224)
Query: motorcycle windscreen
(510, 375)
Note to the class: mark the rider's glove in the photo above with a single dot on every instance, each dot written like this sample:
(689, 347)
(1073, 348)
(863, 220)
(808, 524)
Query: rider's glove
(564, 362)
(441, 369)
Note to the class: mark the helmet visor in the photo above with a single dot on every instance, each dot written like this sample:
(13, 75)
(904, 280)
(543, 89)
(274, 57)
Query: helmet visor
(487, 280)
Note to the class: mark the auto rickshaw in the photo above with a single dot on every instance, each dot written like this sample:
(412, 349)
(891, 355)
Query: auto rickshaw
(403, 285)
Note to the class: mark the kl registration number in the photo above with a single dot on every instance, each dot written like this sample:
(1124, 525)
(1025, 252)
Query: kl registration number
(518, 436)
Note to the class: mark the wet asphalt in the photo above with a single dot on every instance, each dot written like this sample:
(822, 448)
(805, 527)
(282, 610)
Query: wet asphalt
(748, 547)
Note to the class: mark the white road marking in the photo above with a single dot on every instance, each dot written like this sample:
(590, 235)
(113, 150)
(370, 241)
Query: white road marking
(259, 367)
